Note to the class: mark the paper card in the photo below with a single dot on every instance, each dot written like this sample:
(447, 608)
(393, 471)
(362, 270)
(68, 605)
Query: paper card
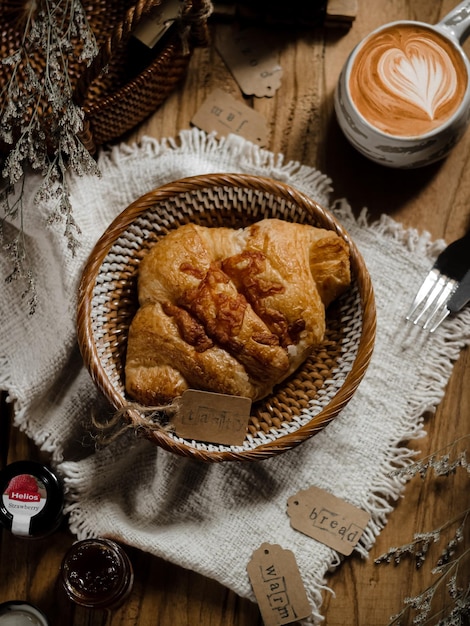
(212, 417)
(324, 517)
(223, 114)
(277, 585)
(253, 58)
(153, 26)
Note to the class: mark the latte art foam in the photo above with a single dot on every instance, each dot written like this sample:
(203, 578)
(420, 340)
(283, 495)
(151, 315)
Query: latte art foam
(407, 80)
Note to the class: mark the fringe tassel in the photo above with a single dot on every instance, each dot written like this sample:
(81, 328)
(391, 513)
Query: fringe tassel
(444, 351)
(250, 157)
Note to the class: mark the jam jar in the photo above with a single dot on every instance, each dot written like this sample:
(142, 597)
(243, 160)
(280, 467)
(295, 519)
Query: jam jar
(18, 613)
(32, 499)
(97, 573)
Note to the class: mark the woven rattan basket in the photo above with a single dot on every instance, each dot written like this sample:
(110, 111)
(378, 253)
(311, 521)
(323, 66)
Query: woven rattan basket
(113, 99)
(107, 302)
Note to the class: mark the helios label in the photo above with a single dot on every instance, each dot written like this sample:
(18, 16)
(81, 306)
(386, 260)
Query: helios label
(24, 497)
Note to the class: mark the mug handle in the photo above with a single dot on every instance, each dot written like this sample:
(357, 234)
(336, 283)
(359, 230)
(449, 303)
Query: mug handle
(457, 23)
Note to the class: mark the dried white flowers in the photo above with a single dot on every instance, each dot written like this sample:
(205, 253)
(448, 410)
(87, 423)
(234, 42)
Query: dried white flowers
(452, 565)
(40, 124)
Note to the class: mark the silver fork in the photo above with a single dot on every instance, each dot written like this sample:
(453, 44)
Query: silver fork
(429, 308)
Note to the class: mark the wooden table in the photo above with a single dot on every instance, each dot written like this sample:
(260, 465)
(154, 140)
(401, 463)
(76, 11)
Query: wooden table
(437, 198)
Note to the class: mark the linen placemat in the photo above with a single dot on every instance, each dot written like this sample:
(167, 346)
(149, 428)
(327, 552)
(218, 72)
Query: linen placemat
(211, 517)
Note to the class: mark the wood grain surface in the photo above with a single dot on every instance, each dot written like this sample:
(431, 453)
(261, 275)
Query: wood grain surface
(437, 198)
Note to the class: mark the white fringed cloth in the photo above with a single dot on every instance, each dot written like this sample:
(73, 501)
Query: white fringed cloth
(211, 517)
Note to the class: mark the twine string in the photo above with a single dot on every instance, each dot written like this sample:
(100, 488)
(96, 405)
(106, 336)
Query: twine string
(134, 416)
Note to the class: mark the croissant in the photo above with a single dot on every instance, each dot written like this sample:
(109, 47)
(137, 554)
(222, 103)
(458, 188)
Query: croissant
(232, 311)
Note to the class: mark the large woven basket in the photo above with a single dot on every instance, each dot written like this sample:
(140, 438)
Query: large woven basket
(107, 302)
(113, 99)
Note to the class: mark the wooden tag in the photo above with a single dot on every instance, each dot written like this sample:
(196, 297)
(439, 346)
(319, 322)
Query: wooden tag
(328, 519)
(152, 27)
(212, 417)
(224, 114)
(277, 585)
(340, 12)
(253, 58)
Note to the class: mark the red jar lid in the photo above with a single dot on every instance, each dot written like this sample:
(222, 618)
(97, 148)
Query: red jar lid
(32, 499)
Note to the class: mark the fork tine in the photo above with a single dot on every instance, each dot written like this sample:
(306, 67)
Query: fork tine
(432, 300)
(445, 312)
(430, 306)
(429, 309)
(440, 309)
(427, 286)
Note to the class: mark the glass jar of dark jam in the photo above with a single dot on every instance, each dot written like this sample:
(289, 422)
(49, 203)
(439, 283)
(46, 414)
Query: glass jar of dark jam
(97, 573)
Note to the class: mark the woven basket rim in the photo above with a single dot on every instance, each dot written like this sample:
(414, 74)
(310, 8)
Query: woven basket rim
(190, 184)
(171, 49)
(113, 106)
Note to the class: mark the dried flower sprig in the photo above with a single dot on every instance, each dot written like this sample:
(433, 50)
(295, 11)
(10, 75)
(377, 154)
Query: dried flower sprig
(440, 464)
(419, 546)
(39, 122)
(450, 563)
(459, 612)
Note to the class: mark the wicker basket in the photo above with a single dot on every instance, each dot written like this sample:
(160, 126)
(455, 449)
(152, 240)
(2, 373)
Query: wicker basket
(114, 101)
(300, 406)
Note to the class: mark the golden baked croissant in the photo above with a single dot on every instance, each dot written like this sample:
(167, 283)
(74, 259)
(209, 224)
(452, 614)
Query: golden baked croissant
(231, 311)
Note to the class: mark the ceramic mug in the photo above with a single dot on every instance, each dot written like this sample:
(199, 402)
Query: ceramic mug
(403, 96)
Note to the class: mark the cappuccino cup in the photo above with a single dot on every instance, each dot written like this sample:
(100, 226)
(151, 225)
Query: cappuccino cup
(403, 96)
